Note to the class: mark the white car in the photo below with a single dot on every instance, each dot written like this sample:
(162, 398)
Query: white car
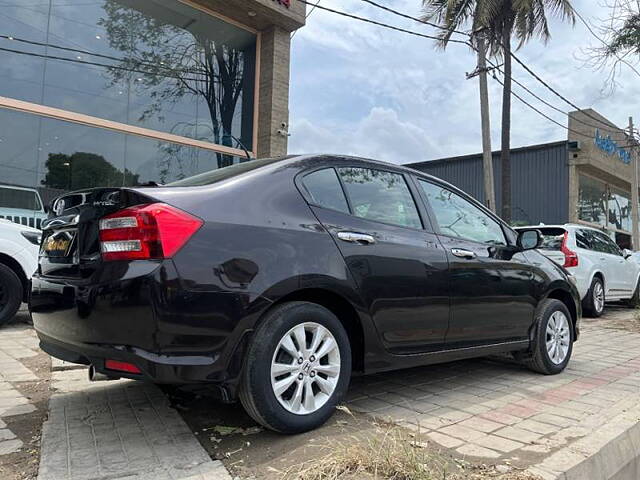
(19, 247)
(603, 272)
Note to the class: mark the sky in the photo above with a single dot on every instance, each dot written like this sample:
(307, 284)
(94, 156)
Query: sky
(359, 89)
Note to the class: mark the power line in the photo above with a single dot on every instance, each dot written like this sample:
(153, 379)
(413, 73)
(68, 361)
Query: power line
(92, 54)
(410, 17)
(96, 64)
(559, 110)
(306, 17)
(513, 55)
(380, 24)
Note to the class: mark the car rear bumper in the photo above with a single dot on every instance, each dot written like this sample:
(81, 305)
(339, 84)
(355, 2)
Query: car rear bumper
(144, 316)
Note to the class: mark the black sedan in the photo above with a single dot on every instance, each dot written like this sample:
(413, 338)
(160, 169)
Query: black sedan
(274, 280)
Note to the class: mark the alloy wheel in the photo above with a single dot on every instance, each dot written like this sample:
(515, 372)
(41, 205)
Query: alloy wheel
(305, 368)
(558, 337)
(598, 297)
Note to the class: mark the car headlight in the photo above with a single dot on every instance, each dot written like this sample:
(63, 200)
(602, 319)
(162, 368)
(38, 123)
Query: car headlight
(33, 237)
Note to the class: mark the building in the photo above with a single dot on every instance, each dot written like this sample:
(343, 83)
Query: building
(124, 92)
(584, 179)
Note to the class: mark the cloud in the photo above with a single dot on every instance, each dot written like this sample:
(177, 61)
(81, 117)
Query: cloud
(359, 89)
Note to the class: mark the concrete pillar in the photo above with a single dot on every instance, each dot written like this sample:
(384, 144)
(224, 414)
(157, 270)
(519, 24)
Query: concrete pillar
(273, 104)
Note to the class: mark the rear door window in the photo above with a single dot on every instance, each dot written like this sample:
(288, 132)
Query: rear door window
(380, 196)
(325, 190)
(583, 239)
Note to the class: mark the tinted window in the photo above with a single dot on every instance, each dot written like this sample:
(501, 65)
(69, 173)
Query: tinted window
(458, 218)
(24, 199)
(380, 196)
(583, 239)
(599, 242)
(325, 190)
(552, 238)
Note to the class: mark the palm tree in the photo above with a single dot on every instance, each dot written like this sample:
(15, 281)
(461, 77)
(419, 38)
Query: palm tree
(499, 21)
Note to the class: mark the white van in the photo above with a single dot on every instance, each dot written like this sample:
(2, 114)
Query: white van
(22, 205)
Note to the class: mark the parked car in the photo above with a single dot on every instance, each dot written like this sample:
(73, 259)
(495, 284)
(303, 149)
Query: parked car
(22, 205)
(603, 271)
(274, 280)
(18, 261)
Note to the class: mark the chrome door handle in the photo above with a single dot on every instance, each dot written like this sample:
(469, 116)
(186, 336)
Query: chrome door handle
(359, 238)
(459, 252)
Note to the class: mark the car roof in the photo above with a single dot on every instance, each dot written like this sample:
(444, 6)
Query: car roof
(566, 226)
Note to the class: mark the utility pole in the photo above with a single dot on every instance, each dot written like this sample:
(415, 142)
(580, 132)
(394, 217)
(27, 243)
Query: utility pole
(634, 188)
(487, 156)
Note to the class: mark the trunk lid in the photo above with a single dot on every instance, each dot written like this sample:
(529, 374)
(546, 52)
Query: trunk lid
(70, 237)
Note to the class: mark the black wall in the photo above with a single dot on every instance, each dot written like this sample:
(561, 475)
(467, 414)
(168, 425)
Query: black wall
(539, 176)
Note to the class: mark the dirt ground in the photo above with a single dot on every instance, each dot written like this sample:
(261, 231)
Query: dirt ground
(618, 317)
(250, 452)
(23, 465)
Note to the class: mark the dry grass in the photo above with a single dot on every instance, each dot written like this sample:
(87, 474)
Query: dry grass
(394, 453)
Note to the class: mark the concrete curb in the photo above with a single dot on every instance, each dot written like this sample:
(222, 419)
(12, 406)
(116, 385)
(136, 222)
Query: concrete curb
(612, 452)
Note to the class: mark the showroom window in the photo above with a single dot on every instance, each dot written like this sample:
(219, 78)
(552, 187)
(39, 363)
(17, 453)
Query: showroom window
(175, 84)
(603, 205)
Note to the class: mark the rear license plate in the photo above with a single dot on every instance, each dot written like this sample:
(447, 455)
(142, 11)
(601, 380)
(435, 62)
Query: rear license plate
(58, 244)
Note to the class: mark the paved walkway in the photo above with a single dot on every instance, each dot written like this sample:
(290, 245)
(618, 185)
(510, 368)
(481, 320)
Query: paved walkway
(500, 411)
(16, 343)
(118, 430)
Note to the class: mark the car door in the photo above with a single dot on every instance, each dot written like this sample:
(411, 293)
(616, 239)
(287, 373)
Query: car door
(397, 263)
(492, 292)
(622, 277)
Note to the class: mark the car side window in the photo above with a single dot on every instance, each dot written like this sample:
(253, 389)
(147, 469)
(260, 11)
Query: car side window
(600, 242)
(380, 196)
(583, 239)
(325, 190)
(457, 217)
(614, 249)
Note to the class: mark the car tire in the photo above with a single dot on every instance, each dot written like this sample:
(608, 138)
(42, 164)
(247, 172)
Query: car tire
(552, 344)
(10, 294)
(262, 392)
(593, 303)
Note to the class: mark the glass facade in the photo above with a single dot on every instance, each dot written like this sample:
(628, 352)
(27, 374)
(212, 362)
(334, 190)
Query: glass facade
(603, 205)
(158, 64)
(592, 201)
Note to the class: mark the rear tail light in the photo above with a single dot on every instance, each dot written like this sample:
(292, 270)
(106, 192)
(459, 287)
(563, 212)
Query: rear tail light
(121, 366)
(149, 231)
(570, 257)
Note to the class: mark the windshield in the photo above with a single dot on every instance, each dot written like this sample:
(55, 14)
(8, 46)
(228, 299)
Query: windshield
(22, 199)
(213, 176)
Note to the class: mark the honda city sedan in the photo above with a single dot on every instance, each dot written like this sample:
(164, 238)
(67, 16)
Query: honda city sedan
(275, 280)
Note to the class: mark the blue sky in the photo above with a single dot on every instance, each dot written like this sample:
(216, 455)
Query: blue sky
(363, 90)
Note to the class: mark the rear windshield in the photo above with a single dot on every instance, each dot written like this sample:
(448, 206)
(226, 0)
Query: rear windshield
(552, 238)
(213, 176)
(23, 199)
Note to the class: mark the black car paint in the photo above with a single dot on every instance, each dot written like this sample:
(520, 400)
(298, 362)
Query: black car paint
(188, 319)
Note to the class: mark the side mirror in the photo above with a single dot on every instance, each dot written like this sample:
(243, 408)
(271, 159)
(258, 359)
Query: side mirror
(46, 209)
(627, 253)
(529, 239)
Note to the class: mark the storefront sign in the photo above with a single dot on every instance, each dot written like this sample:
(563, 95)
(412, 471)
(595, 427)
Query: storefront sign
(609, 146)
(286, 3)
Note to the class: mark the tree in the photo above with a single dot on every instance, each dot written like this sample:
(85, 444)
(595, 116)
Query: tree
(84, 170)
(170, 62)
(499, 21)
(618, 42)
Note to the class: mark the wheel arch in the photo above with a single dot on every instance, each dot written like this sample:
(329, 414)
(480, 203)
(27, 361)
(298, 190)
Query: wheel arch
(342, 309)
(17, 269)
(565, 297)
